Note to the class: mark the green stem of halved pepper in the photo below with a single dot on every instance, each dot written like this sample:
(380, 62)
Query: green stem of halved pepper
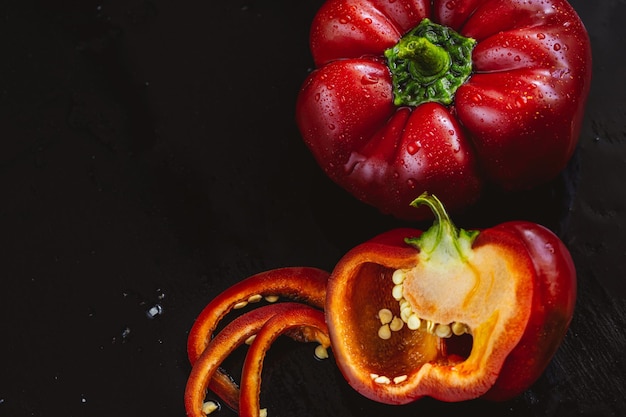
(443, 241)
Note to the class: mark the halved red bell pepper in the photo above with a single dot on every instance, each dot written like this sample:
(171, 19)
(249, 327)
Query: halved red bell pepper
(449, 313)
(443, 96)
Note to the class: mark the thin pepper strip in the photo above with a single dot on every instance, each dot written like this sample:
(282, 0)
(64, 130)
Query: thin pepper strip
(303, 284)
(297, 283)
(302, 323)
(223, 344)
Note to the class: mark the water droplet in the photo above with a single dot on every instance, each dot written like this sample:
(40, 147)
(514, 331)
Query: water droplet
(451, 132)
(411, 182)
(557, 47)
(368, 20)
(331, 126)
(541, 36)
(125, 333)
(154, 311)
(413, 148)
(549, 247)
(343, 21)
(369, 79)
(520, 101)
(517, 58)
(451, 5)
(317, 97)
(477, 98)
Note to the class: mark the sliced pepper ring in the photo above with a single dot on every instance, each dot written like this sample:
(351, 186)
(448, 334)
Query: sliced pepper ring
(298, 321)
(301, 323)
(302, 284)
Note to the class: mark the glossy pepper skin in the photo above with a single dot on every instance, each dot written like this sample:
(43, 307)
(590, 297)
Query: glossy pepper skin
(388, 114)
(482, 312)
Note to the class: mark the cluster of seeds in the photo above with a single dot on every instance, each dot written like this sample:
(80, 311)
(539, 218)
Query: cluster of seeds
(390, 323)
(255, 299)
(381, 379)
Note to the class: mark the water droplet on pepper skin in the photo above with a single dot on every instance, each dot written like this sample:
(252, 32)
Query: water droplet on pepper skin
(520, 101)
(369, 79)
(413, 148)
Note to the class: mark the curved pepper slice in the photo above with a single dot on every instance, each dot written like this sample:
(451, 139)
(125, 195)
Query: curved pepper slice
(223, 344)
(443, 96)
(297, 283)
(303, 284)
(301, 323)
(263, 325)
(449, 313)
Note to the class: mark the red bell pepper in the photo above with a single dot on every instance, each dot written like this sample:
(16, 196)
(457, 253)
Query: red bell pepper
(449, 313)
(443, 96)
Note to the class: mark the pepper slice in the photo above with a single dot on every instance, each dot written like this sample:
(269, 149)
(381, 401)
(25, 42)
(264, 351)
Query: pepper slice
(448, 313)
(303, 284)
(296, 283)
(301, 323)
(260, 328)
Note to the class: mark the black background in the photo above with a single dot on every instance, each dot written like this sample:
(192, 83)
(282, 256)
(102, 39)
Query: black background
(150, 156)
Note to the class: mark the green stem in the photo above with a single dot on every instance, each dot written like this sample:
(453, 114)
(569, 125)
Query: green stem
(429, 63)
(443, 241)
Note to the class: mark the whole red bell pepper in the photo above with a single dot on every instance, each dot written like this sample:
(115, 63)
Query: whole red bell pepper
(444, 96)
(449, 313)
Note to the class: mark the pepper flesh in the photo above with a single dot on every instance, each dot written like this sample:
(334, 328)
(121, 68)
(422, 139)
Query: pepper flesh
(514, 123)
(511, 286)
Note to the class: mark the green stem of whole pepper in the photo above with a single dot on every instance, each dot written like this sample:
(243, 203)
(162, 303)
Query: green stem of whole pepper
(427, 60)
(429, 63)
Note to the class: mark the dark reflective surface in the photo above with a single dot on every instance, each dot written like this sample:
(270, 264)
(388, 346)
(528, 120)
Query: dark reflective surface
(150, 159)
